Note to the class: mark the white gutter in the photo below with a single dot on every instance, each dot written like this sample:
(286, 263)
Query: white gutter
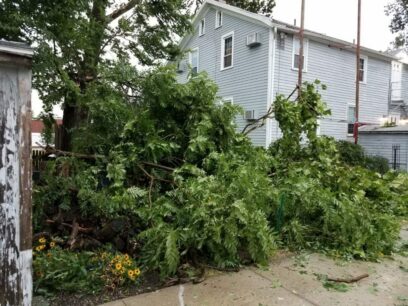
(271, 80)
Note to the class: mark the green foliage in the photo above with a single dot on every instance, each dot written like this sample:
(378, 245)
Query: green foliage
(398, 10)
(176, 178)
(263, 7)
(353, 155)
(60, 270)
(378, 164)
(350, 153)
(329, 205)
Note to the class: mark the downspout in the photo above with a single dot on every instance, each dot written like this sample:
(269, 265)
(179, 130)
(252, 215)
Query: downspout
(273, 32)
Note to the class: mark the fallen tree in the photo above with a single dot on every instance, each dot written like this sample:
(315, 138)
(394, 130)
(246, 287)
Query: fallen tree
(174, 183)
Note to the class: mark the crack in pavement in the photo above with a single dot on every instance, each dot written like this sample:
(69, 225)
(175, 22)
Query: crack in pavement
(287, 289)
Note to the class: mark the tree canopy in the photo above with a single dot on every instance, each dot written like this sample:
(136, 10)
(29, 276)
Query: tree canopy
(399, 23)
(78, 42)
(264, 7)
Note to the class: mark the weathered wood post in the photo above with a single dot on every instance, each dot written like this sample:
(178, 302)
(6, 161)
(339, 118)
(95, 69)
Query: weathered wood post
(15, 175)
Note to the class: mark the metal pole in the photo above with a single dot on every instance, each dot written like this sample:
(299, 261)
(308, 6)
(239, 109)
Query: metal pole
(301, 48)
(357, 114)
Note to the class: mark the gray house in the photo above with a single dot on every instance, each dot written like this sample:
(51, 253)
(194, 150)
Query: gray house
(388, 142)
(253, 58)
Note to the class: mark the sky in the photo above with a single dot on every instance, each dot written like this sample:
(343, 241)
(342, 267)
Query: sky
(337, 18)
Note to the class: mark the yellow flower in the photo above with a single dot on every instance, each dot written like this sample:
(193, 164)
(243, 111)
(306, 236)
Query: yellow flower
(123, 271)
(118, 266)
(128, 262)
(42, 240)
(137, 272)
(38, 248)
(52, 244)
(131, 273)
(126, 257)
(42, 247)
(49, 254)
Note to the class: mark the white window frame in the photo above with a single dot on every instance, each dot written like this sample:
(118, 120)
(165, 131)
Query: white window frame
(227, 99)
(365, 58)
(305, 53)
(201, 27)
(223, 38)
(347, 115)
(190, 57)
(318, 128)
(218, 24)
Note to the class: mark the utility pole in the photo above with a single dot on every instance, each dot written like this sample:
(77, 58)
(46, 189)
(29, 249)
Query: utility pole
(301, 48)
(357, 114)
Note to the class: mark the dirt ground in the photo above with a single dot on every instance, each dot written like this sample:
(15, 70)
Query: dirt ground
(292, 279)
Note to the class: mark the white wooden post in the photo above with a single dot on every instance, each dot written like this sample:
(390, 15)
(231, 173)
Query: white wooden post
(15, 175)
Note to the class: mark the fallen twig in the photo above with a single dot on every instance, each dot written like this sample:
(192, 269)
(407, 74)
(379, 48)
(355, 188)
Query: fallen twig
(347, 280)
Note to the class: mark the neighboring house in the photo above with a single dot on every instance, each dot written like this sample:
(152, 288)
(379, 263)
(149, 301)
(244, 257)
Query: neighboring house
(388, 142)
(253, 58)
(37, 128)
(399, 86)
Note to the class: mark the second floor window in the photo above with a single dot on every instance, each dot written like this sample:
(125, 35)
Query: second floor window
(193, 61)
(218, 19)
(296, 52)
(351, 119)
(201, 27)
(362, 76)
(227, 51)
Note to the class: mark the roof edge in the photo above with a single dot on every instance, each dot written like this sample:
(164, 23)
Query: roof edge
(16, 48)
(280, 26)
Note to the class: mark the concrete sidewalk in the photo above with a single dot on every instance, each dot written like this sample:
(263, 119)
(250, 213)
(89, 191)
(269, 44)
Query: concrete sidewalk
(290, 280)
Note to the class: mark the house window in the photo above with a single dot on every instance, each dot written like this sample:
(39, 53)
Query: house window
(228, 100)
(193, 61)
(362, 76)
(396, 157)
(218, 19)
(201, 28)
(227, 51)
(296, 52)
(351, 119)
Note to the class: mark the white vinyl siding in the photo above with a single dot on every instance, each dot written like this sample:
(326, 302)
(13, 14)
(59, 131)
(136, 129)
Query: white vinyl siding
(227, 51)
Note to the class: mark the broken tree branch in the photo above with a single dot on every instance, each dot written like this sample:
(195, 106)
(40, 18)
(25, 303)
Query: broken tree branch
(85, 230)
(158, 166)
(347, 280)
(125, 7)
(260, 122)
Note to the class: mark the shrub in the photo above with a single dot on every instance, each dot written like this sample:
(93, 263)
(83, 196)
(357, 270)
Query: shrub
(377, 163)
(350, 153)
